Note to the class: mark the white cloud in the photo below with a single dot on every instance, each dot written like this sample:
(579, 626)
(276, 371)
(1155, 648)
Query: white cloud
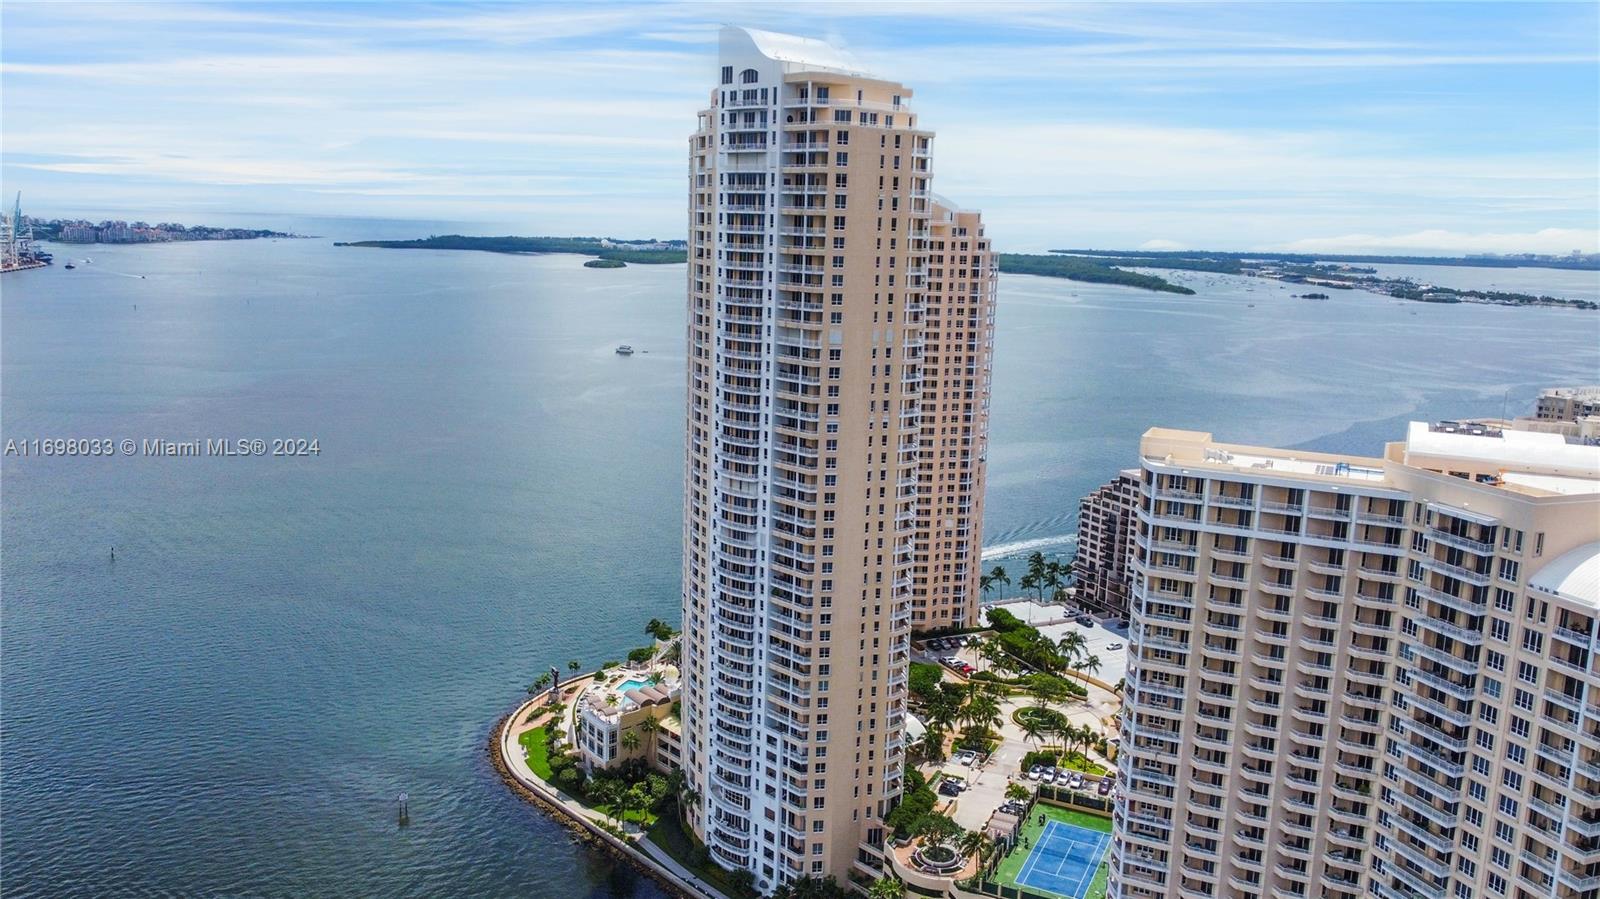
(1162, 245)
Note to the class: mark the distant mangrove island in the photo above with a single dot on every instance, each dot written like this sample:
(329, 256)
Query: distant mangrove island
(1092, 271)
(644, 252)
(1088, 266)
(1580, 261)
(1339, 272)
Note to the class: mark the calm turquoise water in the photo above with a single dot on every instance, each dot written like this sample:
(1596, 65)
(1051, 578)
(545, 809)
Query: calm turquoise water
(283, 645)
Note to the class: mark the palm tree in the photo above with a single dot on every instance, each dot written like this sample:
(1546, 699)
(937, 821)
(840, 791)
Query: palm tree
(886, 888)
(931, 747)
(985, 583)
(1089, 665)
(1071, 644)
(630, 740)
(1033, 727)
(971, 843)
(539, 683)
(1028, 582)
(1038, 572)
(995, 654)
(1016, 791)
(1052, 580)
(982, 711)
(1057, 728)
(649, 727)
(606, 793)
(574, 665)
(998, 576)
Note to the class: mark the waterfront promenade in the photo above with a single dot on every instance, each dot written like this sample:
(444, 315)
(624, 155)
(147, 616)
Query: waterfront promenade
(634, 846)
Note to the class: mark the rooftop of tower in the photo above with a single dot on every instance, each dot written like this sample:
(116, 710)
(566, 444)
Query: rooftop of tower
(797, 53)
(1546, 461)
(1574, 574)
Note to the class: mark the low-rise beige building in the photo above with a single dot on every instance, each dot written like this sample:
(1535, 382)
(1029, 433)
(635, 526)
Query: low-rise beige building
(1567, 403)
(622, 703)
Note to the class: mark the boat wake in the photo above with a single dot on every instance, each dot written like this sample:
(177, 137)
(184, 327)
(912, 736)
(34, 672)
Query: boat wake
(1018, 547)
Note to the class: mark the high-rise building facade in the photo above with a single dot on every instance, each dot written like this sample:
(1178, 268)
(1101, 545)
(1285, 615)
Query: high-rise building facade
(958, 338)
(1364, 676)
(1107, 524)
(814, 240)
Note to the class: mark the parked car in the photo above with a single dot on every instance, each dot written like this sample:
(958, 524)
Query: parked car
(1104, 787)
(1085, 620)
(949, 788)
(1113, 647)
(966, 757)
(1035, 772)
(1050, 775)
(953, 661)
(1076, 781)
(1122, 624)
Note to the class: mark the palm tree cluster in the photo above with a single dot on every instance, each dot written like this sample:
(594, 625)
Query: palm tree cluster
(1075, 655)
(1044, 726)
(813, 888)
(1046, 575)
(974, 705)
(996, 578)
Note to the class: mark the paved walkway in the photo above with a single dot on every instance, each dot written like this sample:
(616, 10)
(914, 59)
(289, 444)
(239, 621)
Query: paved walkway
(636, 846)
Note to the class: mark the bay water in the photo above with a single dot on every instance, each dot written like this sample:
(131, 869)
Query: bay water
(283, 644)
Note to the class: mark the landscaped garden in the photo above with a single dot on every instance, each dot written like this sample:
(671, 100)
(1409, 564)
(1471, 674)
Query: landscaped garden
(668, 833)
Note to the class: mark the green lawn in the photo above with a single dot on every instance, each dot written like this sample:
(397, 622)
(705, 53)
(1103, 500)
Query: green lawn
(1077, 761)
(668, 833)
(1012, 865)
(536, 750)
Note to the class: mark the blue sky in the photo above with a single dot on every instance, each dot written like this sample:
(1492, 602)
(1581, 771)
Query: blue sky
(1429, 127)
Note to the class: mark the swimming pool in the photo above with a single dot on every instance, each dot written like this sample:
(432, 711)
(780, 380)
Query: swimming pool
(632, 683)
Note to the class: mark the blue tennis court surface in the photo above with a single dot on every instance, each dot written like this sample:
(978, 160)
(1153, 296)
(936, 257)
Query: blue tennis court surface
(1064, 860)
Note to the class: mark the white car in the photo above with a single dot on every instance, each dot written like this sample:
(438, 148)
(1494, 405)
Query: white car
(1113, 647)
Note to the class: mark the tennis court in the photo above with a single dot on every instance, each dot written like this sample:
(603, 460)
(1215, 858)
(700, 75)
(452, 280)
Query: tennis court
(1064, 860)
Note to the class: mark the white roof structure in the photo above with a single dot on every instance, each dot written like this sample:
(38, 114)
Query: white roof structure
(798, 54)
(1525, 451)
(1574, 574)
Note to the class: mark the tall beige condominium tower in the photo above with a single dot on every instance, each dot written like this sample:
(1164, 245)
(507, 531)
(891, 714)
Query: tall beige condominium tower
(958, 333)
(812, 235)
(1364, 676)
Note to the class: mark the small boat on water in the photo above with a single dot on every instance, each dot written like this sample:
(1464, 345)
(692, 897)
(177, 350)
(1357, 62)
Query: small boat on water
(624, 350)
(69, 266)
